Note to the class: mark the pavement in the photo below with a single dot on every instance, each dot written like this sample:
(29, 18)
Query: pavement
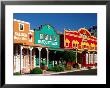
(64, 72)
(90, 72)
(73, 70)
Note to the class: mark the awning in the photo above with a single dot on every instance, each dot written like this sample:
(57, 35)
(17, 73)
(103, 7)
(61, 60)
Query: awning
(57, 49)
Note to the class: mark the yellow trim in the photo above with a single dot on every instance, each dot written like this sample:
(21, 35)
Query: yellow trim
(74, 41)
(77, 42)
(67, 41)
(85, 30)
(87, 44)
(92, 45)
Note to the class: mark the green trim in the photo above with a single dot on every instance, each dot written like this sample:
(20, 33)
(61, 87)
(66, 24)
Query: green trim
(57, 49)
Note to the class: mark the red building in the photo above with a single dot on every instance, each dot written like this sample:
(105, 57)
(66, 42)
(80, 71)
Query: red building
(84, 44)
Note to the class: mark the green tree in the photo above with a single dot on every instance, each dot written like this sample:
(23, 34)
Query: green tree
(69, 56)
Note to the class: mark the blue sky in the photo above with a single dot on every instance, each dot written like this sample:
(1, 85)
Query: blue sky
(72, 21)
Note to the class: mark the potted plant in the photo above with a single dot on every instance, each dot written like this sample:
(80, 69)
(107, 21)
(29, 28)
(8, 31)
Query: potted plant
(43, 66)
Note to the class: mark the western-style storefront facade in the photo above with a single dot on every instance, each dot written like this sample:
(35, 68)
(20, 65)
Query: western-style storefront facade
(83, 44)
(48, 37)
(32, 48)
(23, 46)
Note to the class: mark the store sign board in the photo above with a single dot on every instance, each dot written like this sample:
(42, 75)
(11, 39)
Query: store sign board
(45, 42)
(47, 36)
(25, 36)
(80, 39)
(20, 36)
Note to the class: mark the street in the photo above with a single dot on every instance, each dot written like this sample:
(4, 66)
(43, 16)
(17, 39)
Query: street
(83, 72)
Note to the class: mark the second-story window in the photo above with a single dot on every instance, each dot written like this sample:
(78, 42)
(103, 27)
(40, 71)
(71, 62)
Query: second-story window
(55, 38)
(46, 37)
(41, 36)
(67, 44)
(73, 45)
(21, 27)
(50, 37)
(76, 45)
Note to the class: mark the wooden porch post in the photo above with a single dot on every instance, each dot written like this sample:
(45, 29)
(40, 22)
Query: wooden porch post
(47, 56)
(31, 57)
(39, 55)
(20, 57)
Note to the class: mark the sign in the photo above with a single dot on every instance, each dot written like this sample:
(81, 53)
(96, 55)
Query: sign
(25, 36)
(44, 42)
(80, 39)
(22, 36)
(47, 36)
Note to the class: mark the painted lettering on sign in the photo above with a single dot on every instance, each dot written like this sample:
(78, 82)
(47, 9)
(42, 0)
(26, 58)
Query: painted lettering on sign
(23, 36)
(47, 42)
(20, 34)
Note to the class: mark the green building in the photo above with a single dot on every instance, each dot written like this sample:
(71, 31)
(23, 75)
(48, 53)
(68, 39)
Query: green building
(47, 37)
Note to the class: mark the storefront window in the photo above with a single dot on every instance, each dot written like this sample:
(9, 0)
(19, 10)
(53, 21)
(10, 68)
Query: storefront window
(95, 58)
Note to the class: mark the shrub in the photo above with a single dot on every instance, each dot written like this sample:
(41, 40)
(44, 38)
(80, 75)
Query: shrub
(17, 73)
(36, 70)
(56, 69)
(68, 67)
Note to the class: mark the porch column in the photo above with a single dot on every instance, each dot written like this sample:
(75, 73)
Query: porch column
(88, 57)
(31, 57)
(39, 54)
(26, 60)
(21, 47)
(47, 56)
(76, 55)
(93, 57)
(15, 58)
(54, 60)
(53, 63)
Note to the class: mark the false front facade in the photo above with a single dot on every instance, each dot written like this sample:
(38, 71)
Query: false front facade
(84, 44)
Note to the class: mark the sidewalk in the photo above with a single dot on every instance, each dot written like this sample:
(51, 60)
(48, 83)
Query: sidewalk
(45, 73)
(73, 70)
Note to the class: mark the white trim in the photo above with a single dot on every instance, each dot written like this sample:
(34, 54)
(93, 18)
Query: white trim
(21, 21)
(31, 30)
(19, 26)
